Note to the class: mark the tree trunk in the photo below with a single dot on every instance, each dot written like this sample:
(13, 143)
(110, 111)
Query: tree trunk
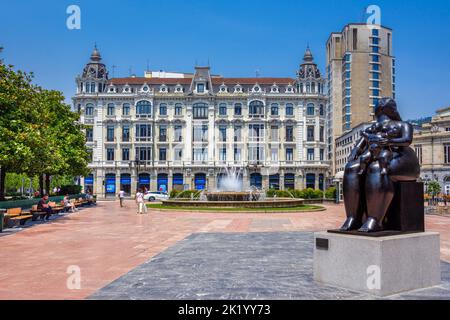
(41, 184)
(2, 183)
(47, 183)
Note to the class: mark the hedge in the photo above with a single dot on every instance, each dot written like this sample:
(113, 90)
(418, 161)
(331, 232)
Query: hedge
(308, 193)
(28, 203)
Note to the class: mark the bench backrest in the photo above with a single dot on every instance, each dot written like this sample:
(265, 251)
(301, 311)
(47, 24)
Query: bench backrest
(14, 211)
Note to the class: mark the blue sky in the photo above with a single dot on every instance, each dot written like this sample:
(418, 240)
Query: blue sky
(236, 37)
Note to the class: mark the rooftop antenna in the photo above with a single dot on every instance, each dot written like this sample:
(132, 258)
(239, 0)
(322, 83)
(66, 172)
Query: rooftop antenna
(148, 65)
(130, 71)
(113, 70)
(257, 73)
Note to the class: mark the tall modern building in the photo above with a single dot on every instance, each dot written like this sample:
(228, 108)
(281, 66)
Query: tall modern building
(360, 70)
(170, 130)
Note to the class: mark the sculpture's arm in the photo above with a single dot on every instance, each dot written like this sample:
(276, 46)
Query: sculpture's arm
(358, 149)
(405, 140)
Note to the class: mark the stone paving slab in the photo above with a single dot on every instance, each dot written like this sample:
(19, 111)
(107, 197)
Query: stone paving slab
(260, 265)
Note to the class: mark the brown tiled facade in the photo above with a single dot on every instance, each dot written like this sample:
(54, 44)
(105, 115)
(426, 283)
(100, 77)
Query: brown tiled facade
(360, 70)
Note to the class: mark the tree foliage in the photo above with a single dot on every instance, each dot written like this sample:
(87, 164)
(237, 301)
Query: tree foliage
(39, 134)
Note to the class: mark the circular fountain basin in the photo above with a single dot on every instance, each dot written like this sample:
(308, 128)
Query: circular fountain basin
(268, 203)
(231, 196)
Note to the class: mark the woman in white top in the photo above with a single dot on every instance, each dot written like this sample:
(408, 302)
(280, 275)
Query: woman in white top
(69, 205)
(142, 208)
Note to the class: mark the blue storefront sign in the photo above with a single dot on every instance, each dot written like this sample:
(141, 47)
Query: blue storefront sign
(200, 182)
(162, 183)
(125, 181)
(89, 180)
(177, 179)
(144, 180)
(110, 184)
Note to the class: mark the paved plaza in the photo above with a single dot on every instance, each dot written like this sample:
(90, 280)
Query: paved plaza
(190, 255)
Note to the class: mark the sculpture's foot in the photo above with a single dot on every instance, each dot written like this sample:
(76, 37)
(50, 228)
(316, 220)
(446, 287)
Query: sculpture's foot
(383, 171)
(350, 224)
(371, 225)
(361, 172)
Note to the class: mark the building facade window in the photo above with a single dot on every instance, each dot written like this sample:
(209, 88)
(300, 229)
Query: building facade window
(110, 109)
(110, 133)
(125, 133)
(289, 154)
(310, 180)
(418, 149)
(200, 88)
(223, 109)
(274, 109)
(446, 153)
(289, 133)
(162, 133)
(256, 109)
(143, 132)
(144, 153)
(143, 109)
(310, 154)
(222, 133)
(163, 109)
(200, 111)
(238, 109)
(89, 134)
(178, 133)
(178, 109)
(125, 154)
(162, 154)
(237, 133)
(310, 133)
(89, 111)
(289, 109)
(310, 109)
(200, 133)
(126, 109)
(110, 154)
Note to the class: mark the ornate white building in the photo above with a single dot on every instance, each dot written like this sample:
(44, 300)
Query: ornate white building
(177, 130)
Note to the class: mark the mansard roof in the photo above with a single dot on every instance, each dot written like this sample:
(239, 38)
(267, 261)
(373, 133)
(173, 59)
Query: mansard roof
(215, 81)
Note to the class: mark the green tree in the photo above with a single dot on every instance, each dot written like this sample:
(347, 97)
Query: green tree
(18, 122)
(434, 188)
(39, 134)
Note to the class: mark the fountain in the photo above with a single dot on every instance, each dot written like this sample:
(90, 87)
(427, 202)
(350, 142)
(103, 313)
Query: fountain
(231, 193)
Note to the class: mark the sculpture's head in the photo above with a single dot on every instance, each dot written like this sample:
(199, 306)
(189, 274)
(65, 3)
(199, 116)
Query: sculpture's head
(388, 107)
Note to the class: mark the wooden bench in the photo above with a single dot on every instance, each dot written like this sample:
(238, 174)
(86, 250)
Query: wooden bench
(17, 215)
(56, 207)
(36, 213)
(80, 202)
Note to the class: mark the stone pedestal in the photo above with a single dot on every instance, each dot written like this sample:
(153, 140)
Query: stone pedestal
(378, 265)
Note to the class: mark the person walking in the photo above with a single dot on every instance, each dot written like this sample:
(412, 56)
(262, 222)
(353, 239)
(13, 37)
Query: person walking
(142, 208)
(121, 197)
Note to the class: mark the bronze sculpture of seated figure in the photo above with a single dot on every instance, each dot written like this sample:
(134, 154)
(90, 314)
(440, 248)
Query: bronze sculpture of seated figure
(376, 151)
(368, 191)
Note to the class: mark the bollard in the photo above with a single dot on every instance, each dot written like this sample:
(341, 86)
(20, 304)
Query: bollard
(2, 218)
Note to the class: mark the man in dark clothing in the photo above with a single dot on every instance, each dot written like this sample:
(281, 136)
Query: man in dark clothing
(44, 207)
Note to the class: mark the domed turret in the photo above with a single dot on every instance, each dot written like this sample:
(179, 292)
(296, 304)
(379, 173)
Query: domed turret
(308, 57)
(309, 79)
(95, 69)
(95, 56)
